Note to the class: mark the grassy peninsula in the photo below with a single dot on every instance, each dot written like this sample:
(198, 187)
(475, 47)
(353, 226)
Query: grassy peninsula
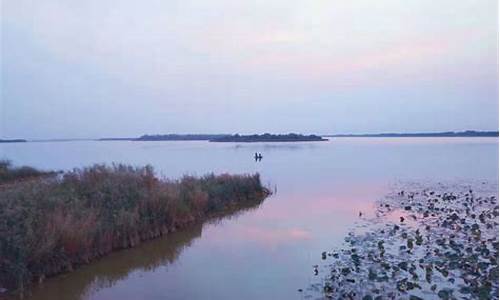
(53, 224)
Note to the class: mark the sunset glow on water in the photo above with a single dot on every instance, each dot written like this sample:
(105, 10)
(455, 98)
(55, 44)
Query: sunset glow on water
(319, 191)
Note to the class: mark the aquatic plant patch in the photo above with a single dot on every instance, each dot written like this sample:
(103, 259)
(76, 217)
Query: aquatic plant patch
(442, 245)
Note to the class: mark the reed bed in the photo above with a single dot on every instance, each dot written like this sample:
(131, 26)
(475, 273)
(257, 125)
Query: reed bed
(53, 224)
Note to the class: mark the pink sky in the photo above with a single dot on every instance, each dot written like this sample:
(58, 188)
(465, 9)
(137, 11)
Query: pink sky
(216, 67)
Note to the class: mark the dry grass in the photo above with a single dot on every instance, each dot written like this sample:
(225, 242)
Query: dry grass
(53, 224)
(9, 173)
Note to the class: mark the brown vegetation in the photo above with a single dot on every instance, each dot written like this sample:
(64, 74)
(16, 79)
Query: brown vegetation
(9, 173)
(53, 224)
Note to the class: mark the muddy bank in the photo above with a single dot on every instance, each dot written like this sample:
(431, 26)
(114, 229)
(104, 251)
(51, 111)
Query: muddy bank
(426, 241)
(53, 225)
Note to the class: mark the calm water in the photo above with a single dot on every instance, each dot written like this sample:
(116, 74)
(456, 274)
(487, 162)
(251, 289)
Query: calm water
(267, 252)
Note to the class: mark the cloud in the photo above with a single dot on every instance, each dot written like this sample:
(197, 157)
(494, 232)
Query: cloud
(225, 58)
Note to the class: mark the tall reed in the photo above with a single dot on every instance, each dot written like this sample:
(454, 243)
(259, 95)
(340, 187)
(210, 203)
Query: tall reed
(51, 225)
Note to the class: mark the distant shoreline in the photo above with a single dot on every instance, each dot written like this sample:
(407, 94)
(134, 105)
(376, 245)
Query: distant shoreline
(265, 137)
(292, 137)
(222, 138)
(13, 141)
(468, 133)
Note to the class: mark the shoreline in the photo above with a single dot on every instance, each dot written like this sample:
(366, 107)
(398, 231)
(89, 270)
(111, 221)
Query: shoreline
(326, 138)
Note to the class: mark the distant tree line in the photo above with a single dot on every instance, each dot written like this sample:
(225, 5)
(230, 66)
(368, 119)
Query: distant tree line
(467, 133)
(291, 137)
(179, 137)
(267, 137)
(13, 141)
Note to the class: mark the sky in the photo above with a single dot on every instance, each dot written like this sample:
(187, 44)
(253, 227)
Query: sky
(102, 68)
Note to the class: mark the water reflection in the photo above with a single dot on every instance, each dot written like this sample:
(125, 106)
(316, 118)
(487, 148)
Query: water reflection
(293, 146)
(267, 253)
(147, 257)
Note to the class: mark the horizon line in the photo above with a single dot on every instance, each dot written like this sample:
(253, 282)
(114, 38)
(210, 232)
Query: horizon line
(451, 133)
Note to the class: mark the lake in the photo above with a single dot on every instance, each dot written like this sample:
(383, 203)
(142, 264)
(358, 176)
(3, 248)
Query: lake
(267, 252)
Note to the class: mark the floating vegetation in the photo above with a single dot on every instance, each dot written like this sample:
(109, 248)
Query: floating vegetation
(444, 245)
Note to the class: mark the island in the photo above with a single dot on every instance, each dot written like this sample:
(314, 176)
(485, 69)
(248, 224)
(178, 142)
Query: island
(467, 133)
(267, 137)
